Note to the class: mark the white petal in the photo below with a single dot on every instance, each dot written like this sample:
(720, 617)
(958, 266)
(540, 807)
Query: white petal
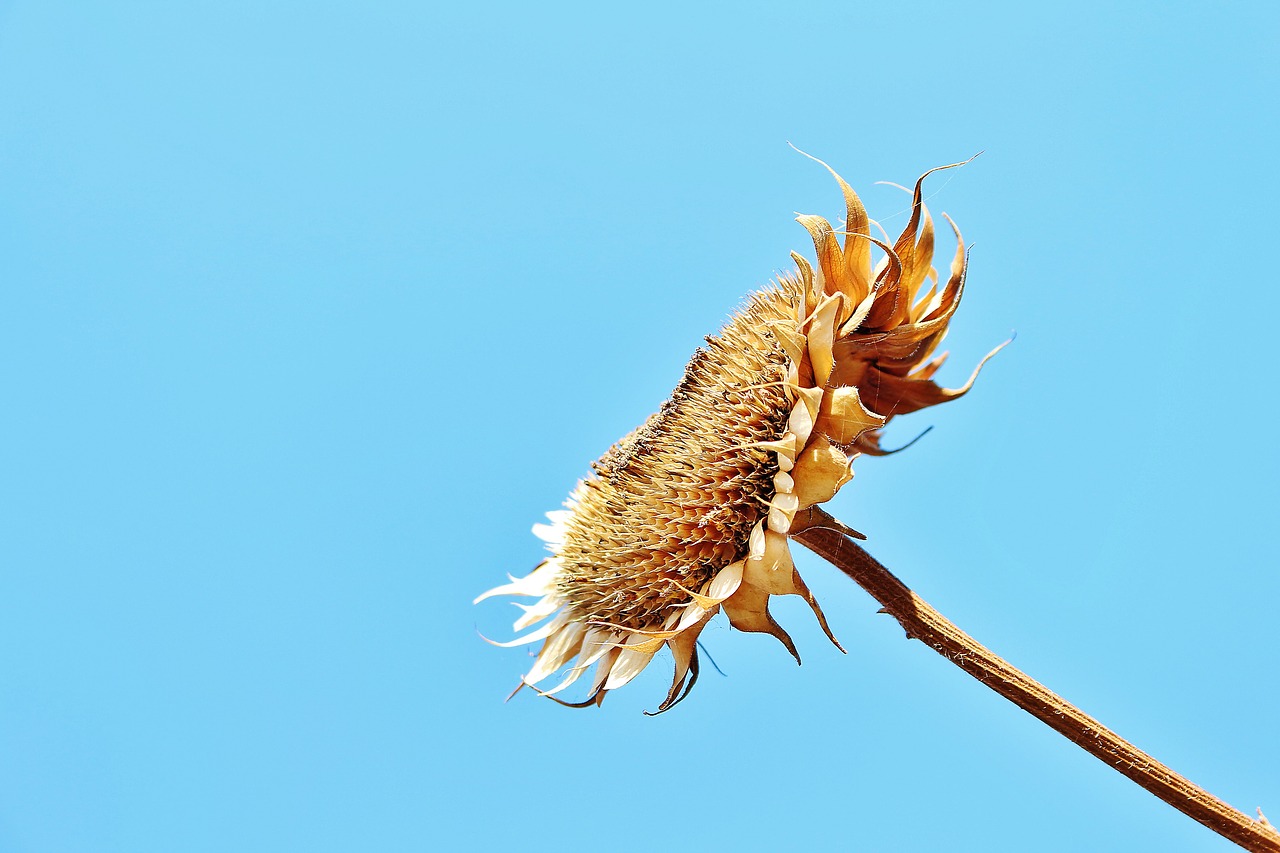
(726, 581)
(538, 582)
(693, 614)
(549, 533)
(594, 645)
(532, 637)
(535, 612)
(800, 424)
(755, 543)
(628, 665)
(779, 521)
(603, 670)
(569, 679)
(773, 571)
(556, 652)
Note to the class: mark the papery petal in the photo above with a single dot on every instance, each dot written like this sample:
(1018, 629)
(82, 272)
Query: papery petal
(541, 633)
(820, 472)
(649, 646)
(800, 424)
(684, 651)
(748, 610)
(955, 284)
(803, 414)
(726, 582)
(821, 337)
(536, 612)
(855, 282)
(789, 338)
(782, 509)
(538, 582)
(604, 669)
(553, 533)
(901, 395)
(858, 316)
(830, 256)
(842, 416)
(812, 289)
(573, 675)
(595, 644)
(772, 570)
(558, 650)
(803, 591)
(628, 665)
(695, 613)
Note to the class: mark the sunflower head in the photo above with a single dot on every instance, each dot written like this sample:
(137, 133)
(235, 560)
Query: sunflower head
(690, 514)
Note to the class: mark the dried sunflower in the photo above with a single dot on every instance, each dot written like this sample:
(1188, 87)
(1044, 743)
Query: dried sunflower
(690, 514)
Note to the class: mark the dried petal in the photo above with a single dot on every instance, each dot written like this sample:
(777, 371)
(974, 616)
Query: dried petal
(820, 472)
(690, 513)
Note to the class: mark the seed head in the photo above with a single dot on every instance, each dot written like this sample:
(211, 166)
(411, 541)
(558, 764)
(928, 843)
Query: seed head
(690, 514)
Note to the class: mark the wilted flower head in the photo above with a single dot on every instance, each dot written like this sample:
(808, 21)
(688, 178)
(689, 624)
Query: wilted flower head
(690, 513)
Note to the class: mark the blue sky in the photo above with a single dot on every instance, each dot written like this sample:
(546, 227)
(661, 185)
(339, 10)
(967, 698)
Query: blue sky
(310, 310)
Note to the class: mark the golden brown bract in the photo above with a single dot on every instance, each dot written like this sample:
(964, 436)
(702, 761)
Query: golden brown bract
(691, 513)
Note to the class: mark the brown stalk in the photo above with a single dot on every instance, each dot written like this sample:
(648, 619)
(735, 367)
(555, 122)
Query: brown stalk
(826, 537)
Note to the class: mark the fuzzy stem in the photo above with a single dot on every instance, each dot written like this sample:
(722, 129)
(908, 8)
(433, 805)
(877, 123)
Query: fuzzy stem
(922, 622)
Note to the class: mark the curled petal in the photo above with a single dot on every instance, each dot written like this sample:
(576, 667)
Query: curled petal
(785, 446)
(900, 395)
(855, 282)
(647, 647)
(695, 613)
(830, 256)
(756, 542)
(927, 370)
(799, 425)
(684, 650)
(955, 284)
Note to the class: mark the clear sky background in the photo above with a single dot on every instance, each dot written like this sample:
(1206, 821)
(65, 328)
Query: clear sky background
(309, 310)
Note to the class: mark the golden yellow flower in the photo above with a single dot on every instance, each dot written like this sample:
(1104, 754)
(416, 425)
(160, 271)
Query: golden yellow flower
(690, 514)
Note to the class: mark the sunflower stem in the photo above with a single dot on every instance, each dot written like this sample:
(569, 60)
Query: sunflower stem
(923, 623)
